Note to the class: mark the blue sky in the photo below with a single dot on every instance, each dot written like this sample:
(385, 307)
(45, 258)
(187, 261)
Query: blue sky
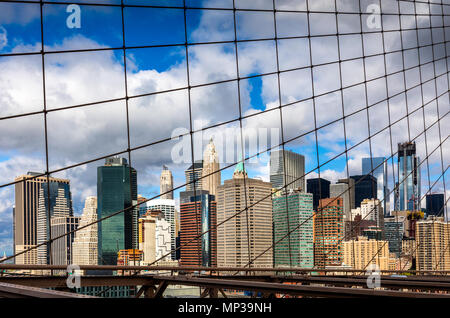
(82, 134)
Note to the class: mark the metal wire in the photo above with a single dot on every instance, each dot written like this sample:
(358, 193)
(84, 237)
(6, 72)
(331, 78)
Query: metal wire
(238, 79)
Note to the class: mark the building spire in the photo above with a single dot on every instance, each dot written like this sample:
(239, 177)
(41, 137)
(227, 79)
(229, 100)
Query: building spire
(166, 183)
(240, 172)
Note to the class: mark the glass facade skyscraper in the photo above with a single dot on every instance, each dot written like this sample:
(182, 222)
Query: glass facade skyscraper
(365, 188)
(320, 189)
(298, 211)
(393, 233)
(407, 194)
(116, 191)
(435, 204)
(293, 177)
(379, 167)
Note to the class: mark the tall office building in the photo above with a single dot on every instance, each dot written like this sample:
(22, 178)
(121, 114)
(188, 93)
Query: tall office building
(345, 188)
(328, 233)
(435, 204)
(62, 249)
(194, 172)
(85, 243)
(320, 189)
(248, 234)
(407, 192)
(365, 188)
(25, 211)
(167, 207)
(379, 166)
(433, 237)
(154, 237)
(54, 201)
(116, 191)
(166, 184)
(211, 169)
(393, 233)
(296, 210)
(359, 254)
(197, 216)
(293, 177)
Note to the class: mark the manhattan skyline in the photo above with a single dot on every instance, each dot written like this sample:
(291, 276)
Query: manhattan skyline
(85, 133)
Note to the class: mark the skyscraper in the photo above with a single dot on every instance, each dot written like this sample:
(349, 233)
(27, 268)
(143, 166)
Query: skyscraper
(167, 207)
(320, 189)
(345, 188)
(248, 234)
(54, 201)
(196, 217)
(393, 232)
(194, 172)
(295, 209)
(154, 237)
(27, 190)
(62, 251)
(116, 191)
(294, 175)
(435, 204)
(379, 167)
(166, 184)
(407, 193)
(365, 188)
(328, 233)
(85, 244)
(211, 169)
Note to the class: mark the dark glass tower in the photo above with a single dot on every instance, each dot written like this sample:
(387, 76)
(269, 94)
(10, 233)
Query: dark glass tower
(379, 167)
(116, 191)
(365, 188)
(435, 204)
(320, 188)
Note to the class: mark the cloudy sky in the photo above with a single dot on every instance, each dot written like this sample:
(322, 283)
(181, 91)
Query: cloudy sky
(157, 79)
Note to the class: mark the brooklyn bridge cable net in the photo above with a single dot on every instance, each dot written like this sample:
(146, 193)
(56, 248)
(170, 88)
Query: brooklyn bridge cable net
(334, 81)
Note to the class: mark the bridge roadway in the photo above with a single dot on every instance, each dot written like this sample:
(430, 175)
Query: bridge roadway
(296, 285)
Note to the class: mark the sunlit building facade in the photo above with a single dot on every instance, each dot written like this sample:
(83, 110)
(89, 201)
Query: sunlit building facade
(247, 235)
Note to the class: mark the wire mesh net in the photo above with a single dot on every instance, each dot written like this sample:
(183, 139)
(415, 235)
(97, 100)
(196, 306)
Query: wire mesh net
(267, 105)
